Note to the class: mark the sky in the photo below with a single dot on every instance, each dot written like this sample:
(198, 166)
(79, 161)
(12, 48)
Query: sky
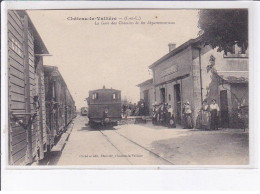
(90, 56)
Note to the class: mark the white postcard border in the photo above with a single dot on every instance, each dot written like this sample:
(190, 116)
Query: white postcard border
(24, 174)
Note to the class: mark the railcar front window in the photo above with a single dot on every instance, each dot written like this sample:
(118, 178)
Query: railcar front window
(115, 96)
(94, 96)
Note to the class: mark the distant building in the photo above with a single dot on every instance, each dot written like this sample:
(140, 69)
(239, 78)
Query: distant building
(194, 72)
(147, 93)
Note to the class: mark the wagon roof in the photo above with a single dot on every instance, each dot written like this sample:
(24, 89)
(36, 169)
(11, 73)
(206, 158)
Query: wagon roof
(49, 68)
(39, 44)
(106, 89)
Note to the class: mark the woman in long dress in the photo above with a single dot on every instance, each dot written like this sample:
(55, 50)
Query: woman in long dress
(205, 122)
(154, 113)
(214, 112)
(158, 114)
(187, 116)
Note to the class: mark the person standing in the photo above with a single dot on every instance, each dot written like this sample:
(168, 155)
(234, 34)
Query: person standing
(160, 113)
(170, 118)
(214, 112)
(154, 113)
(203, 117)
(187, 115)
(124, 109)
(164, 114)
(142, 109)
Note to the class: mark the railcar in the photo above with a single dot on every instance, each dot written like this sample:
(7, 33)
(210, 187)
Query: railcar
(84, 111)
(32, 126)
(104, 107)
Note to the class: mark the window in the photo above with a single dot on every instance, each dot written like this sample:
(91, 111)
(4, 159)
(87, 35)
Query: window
(115, 96)
(233, 51)
(94, 96)
(242, 50)
(169, 97)
(238, 49)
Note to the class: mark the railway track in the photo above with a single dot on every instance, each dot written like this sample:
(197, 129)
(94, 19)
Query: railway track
(114, 145)
(135, 144)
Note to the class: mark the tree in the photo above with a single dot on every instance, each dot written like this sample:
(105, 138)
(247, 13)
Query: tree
(224, 28)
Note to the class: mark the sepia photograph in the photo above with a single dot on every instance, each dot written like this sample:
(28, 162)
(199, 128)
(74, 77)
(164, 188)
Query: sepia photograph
(127, 87)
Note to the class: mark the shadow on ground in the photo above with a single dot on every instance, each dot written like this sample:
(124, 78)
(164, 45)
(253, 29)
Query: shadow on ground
(98, 128)
(157, 127)
(51, 158)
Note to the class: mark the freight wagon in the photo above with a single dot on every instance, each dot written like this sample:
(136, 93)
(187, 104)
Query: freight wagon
(29, 131)
(60, 106)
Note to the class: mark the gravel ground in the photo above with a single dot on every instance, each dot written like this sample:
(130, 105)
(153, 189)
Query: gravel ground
(193, 147)
(142, 142)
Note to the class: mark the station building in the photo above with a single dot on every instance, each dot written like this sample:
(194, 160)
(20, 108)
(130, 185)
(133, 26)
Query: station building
(147, 93)
(194, 72)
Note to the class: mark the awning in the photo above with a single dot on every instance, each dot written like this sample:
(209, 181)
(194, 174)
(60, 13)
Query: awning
(233, 76)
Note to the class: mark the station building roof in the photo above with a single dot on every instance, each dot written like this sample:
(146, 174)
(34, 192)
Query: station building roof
(147, 82)
(175, 51)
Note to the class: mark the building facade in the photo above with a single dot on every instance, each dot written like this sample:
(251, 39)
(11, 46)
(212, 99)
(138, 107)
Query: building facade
(147, 93)
(194, 72)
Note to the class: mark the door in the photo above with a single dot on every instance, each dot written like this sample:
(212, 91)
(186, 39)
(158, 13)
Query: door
(177, 102)
(224, 118)
(146, 99)
(162, 95)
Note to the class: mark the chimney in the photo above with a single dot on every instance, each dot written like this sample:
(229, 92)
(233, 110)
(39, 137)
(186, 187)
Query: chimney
(172, 46)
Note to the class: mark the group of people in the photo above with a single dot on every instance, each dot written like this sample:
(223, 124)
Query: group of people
(208, 116)
(128, 110)
(138, 109)
(163, 115)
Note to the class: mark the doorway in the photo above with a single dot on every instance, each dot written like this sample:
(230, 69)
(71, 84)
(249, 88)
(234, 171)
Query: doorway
(146, 99)
(177, 102)
(224, 117)
(163, 95)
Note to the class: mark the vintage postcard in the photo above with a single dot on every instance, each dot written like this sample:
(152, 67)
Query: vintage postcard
(106, 87)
